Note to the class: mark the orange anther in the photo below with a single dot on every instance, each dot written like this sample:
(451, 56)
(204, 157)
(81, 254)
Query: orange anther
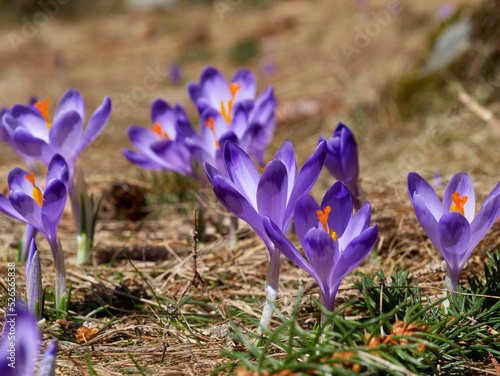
(233, 88)
(43, 107)
(263, 168)
(458, 203)
(323, 218)
(37, 193)
(31, 178)
(156, 128)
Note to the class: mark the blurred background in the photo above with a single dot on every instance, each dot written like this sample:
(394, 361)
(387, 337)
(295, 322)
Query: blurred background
(417, 82)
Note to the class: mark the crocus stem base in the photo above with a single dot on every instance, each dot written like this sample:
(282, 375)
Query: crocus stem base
(61, 292)
(272, 285)
(84, 253)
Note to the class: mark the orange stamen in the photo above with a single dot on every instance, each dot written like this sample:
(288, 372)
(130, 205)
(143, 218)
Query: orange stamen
(323, 218)
(211, 125)
(156, 128)
(458, 203)
(233, 88)
(43, 107)
(37, 194)
(263, 168)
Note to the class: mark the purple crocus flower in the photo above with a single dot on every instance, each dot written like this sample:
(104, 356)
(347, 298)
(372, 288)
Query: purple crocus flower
(333, 240)
(34, 290)
(232, 102)
(27, 202)
(20, 345)
(36, 136)
(162, 147)
(342, 159)
(251, 196)
(451, 225)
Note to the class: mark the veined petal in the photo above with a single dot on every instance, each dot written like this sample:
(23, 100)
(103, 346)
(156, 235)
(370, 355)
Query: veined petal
(305, 216)
(55, 196)
(95, 125)
(58, 169)
(175, 155)
(255, 140)
(284, 245)
(418, 186)
(71, 101)
(28, 209)
(272, 192)
(358, 224)
(286, 155)
(322, 252)
(246, 80)
(17, 180)
(30, 119)
(214, 87)
(485, 218)
(460, 183)
(65, 133)
(426, 219)
(236, 203)
(7, 208)
(241, 171)
(33, 146)
(340, 202)
(306, 179)
(454, 237)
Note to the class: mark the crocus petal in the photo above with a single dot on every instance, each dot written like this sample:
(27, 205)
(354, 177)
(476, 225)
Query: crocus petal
(48, 364)
(162, 113)
(340, 202)
(58, 169)
(241, 171)
(235, 202)
(485, 218)
(176, 156)
(264, 109)
(427, 220)
(349, 151)
(285, 246)
(34, 282)
(358, 224)
(28, 209)
(322, 252)
(286, 155)
(254, 140)
(417, 185)
(462, 184)
(246, 80)
(33, 146)
(53, 206)
(95, 125)
(305, 216)
(141, 160)
(65, 133)
(7, 208)
(184, 128)
(214, 87)
(306, 179)
(454, 238)
(194, 91)
(272, 192)
(27, 117)
(71, 101)
(27, 337)
(17, 180)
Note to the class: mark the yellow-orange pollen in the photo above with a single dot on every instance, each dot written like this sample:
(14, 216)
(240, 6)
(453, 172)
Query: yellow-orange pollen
(263, 168)
(234, 87)
(458, 203)
(156, 128)
(43, 107)
(37, 193)
(211, 125)
(323, 218)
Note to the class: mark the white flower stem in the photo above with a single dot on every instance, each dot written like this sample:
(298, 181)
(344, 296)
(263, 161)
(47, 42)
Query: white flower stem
(272, 285)
(448, 285)
(84, 252)
(61, 292)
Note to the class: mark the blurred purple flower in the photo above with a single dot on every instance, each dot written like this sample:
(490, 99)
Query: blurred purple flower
(175, 74)
(28, 203)
(445, 11)
(333, 240)
(34, 283)
(19, 355)
(251, 197)
(162, 146)
(451, 226)
(251, 120)
(342, 159)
